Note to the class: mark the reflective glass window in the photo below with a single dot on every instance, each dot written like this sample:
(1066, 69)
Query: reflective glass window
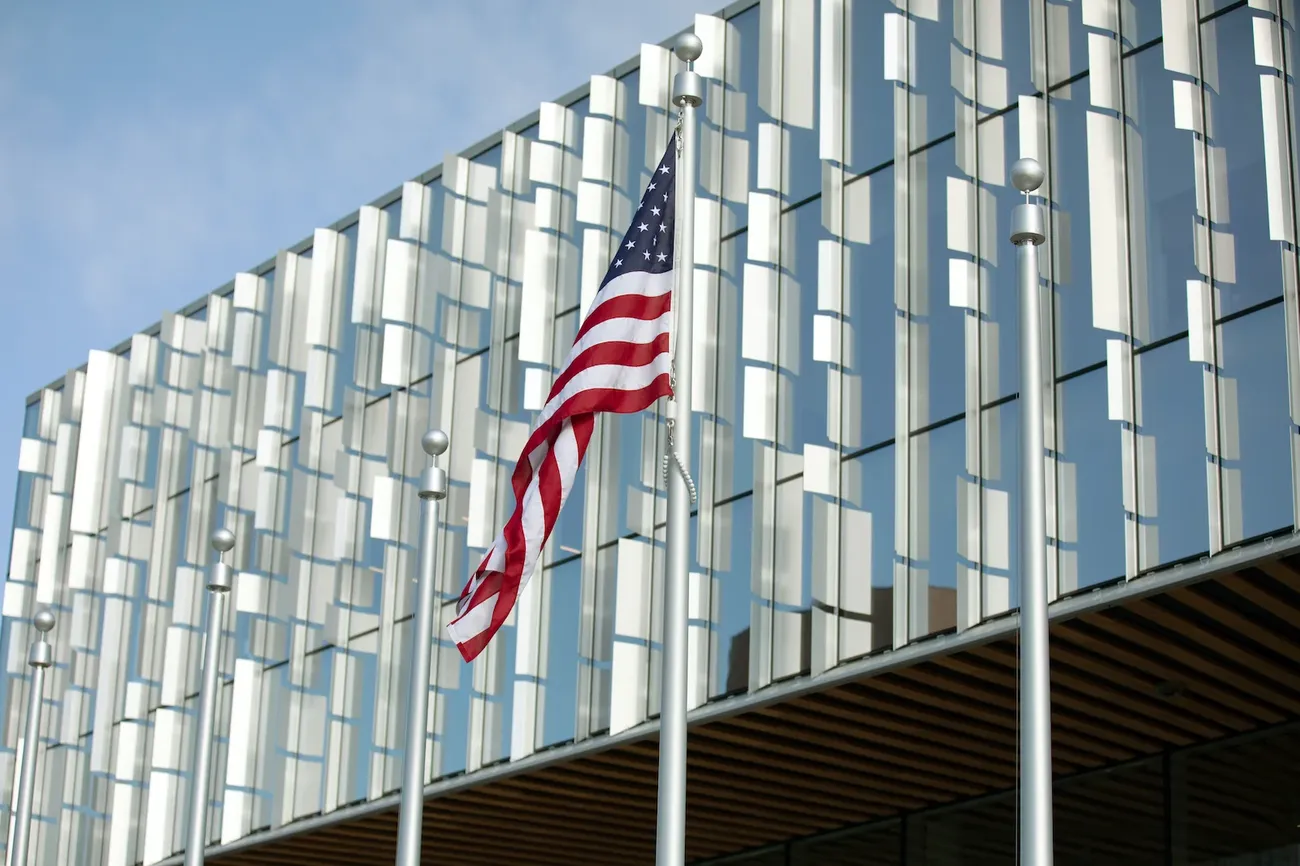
(931, 111)
(876, 845)
(997, 551)
(1089, 485)
(865, 571)
(1141, 22)
(868, 95)
(740, 159)
(1113, 817)
(1171, 458)
(980, 832)
(734, 469)
(558, 692)
(805, 358)
(1245, 260)
(1255, 430)
(869, 318)
(1078, 342)
(1236, 803)
(938, 473)
(789, 99)
(1162, 184)
(1067, 41)
(937, 328)
(732, 574)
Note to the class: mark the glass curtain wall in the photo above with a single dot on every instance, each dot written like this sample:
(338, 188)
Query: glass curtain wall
(857, 416)
(1224, 804)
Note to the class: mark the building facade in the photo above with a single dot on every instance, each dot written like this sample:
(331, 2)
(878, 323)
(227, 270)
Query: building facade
(857, 420)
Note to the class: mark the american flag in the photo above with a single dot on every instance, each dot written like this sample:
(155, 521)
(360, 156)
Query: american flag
(620, 362)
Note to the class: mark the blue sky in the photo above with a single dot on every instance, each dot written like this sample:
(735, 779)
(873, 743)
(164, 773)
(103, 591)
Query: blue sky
(150, 150)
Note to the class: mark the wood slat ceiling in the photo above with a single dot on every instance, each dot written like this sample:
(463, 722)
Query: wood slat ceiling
(1193, 664)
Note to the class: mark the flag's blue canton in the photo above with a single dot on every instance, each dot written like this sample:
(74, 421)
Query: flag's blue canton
(648, 244)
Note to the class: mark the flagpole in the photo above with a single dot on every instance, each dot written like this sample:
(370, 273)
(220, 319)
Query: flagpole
(688, 94)
(433, 489)
(1027, 233)
(39, 657)
(223, 541)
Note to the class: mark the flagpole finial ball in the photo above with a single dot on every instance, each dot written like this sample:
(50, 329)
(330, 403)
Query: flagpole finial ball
(1027, 175)
(688, 48)
(223, 540)
(435, 443)
(44, 620)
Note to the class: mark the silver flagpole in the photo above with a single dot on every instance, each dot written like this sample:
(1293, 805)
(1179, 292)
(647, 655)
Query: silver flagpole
(1027, 233)
(433, 489)
(223, 541)
(39, 657)
(688, 94)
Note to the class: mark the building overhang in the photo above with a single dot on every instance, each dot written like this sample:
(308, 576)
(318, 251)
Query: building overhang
(1194, 653)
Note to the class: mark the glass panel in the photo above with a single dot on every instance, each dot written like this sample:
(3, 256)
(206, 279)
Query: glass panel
(460, 231)
(732, 569)
(1006, 43)
(1237, 803)
(1078, 343)
(362, 581)
(1089, 485)
(659, 554)
(1245, 260)
(938, 329)
(935, 82)
(867, 323)
(999, 512)
(32, 420)
(868, 95)
(393, 702)
(979, 834)
(1141, 21)
(491, 157)
(938, 472)
(558, 692)
(866, 564)
(453, 680)
(1113, 817)
(766, 857)
(740, 162)
(355, 726)
(344, 357)
(1067, 43)
(1171, 458)
(734, 470)
(794, 43)
(877, 845)
(1254, 426)
(369, 357)
(806, 338)
(630, 171)
(600, 656)
(788, 605)
(1162, 200)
